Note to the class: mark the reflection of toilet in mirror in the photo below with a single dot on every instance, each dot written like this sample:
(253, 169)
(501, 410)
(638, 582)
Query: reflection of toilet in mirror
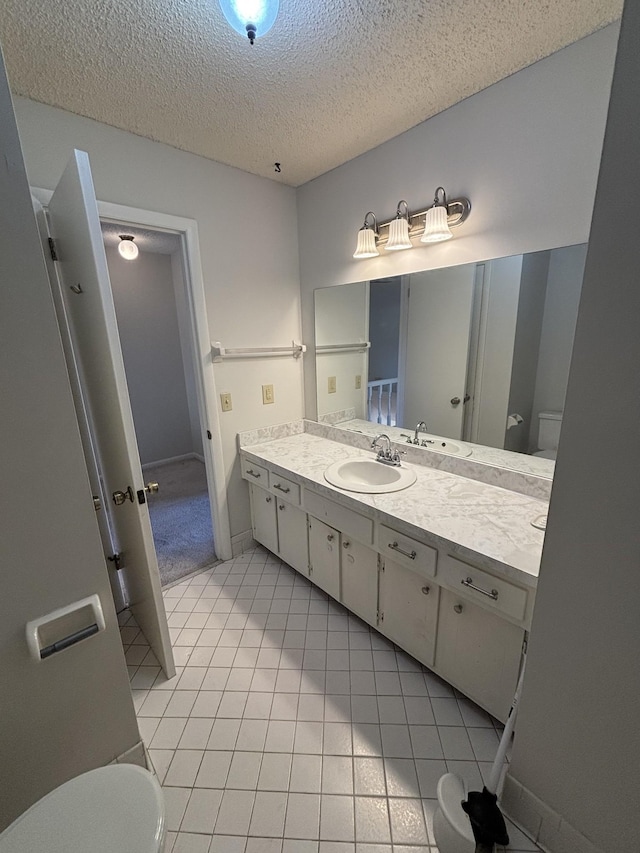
(112, 809)
(549, 424)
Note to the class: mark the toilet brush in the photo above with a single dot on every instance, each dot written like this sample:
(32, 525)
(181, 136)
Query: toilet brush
(481, 807)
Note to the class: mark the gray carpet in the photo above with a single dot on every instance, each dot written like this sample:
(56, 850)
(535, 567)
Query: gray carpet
(181, 518)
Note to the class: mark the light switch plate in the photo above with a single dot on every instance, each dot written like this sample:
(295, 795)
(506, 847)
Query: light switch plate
(358, 382)
(225, 402)
(332, 385)
(267, 394)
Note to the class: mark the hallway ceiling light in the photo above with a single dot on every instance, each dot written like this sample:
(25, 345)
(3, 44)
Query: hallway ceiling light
(367, 237)
(252, 18)
(433, 224)
(127, 247)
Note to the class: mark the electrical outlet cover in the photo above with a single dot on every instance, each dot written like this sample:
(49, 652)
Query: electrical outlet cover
(332, 385)
(358, 382)
(225, 402)
(267, 394)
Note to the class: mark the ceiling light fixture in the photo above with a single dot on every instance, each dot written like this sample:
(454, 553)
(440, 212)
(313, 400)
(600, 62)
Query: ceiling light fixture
(252, 18)
(433, 224)
(127, 247)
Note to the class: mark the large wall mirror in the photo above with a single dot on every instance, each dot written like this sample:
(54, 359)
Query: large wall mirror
(480, 353)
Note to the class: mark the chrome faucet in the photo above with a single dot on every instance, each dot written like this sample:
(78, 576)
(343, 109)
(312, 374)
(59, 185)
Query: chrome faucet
(388, 456)
(422, 425)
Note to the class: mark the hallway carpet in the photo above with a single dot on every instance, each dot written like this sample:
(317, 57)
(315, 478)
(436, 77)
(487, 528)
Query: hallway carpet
(181, 518)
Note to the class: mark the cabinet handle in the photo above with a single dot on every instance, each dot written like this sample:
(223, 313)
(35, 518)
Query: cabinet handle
(410, 554)
(281, 506)
(469, 582)
(253, 473)
(284, 489)
(457, 608)
(346, 544)
(269, 499)
(426, 590)
(330, 537)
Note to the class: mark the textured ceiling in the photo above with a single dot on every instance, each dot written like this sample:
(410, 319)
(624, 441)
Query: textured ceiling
(332, 79)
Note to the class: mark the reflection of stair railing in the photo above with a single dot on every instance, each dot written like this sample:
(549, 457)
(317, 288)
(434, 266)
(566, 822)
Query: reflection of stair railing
(382, 401)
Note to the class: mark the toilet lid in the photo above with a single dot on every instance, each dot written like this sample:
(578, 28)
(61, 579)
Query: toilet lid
(114, 809)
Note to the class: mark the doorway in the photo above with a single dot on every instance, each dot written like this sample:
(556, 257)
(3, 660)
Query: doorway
(153, 324)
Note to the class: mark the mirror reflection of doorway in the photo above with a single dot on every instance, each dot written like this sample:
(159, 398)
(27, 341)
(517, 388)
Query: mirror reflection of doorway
(151, 309)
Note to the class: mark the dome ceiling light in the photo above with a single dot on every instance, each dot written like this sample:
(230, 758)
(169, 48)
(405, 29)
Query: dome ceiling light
(252, 18)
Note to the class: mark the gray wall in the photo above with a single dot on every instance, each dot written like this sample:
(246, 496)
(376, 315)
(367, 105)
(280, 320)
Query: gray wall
(73, 711)
(384, 328)
(577, 744)
(144, 298)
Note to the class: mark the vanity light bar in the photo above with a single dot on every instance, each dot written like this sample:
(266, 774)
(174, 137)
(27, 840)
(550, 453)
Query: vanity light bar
(457, 212)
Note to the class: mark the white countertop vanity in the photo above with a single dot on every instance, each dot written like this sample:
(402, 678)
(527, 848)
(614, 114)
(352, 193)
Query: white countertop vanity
(446, 568)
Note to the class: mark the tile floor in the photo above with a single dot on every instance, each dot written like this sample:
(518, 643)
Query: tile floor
(291, 726)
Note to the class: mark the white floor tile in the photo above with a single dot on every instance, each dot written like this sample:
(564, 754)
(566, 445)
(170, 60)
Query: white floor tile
(337, 775)
(303, 816)
(168, 733)
(396, 742)
(372, 820)
(336, 818)
(446, 712)
(175, 801)
(429, 772)
(407, 822)
(455, 743)
(196, 733)
(234, 816)
(337, 739)
(308, 738)
(252, 735)
(187, 842)
(306, 774)
(227, 844)
(268, 814)
(280, 736)
(181, 703)
(244, 772)
(402, 779)
(207, 704)
(184, 768)
(369, 777)
(214, 769)
(202, 811)
(275, 771)
(264, 845)
(161, 759)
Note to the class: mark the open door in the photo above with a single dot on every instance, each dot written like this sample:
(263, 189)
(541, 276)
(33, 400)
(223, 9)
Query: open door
(88, 301)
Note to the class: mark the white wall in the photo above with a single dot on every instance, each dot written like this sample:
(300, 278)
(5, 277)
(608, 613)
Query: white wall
(342, 317)
(577, 746)
(566, 269)
(525, 151)
(247, 229)
(145, 305)
(73, 711)
(384, 328)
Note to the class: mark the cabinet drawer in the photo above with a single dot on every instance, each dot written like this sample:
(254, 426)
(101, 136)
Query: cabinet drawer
(406, 551)
(343, 519)
(286, 489)
(490, 592)
(255, 473)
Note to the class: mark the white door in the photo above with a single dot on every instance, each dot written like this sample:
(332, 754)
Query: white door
(292, 537)
(264, 520)
(324, 557)
(409, 610)
(437, 347)
(359, 579)
(86, 292)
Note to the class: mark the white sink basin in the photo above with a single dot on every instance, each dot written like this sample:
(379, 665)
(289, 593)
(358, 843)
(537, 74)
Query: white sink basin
(443, 445)
(369, 476)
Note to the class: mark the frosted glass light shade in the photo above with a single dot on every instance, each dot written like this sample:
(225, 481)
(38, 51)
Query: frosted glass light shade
(366, 247)
(261, 13)
(398, 235)
(128, 249)
(436, 227)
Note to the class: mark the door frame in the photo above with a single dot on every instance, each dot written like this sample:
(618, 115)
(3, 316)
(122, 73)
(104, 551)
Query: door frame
(200, 344)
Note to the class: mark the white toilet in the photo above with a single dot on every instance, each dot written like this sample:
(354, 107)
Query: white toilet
(114, 809)
(549, 424)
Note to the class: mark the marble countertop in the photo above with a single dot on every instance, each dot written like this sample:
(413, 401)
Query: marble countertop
(484, 523)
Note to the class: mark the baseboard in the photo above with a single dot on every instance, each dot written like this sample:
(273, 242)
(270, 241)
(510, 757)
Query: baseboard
(547, 828)
(242, 542)
(183, 458)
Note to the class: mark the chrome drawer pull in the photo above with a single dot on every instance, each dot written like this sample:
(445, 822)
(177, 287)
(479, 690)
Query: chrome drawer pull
(284, 489)
(410, 554)
(469, 582)
(253, 473)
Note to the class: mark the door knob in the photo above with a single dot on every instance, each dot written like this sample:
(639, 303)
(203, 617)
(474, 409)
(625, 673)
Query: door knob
(97, 503)
(455, 401)
(152, 488)
(458, 608)
(120, 497)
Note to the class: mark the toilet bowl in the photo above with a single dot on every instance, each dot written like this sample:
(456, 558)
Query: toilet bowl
(114, 809)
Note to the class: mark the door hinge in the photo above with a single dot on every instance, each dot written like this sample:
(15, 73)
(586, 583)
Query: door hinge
(380, 615)
(116, 559)
(52, 249)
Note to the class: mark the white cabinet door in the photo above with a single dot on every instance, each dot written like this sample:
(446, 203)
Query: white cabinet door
(263, 515)
(292, 536)
(360, 579)
(409, 610)
(324, 557)
(479, 653)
